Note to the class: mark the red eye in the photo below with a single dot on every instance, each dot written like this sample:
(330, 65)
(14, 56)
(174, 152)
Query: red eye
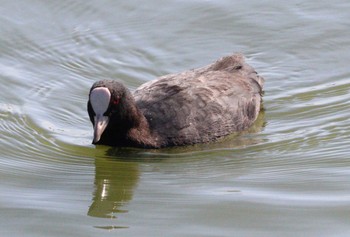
(116, 101)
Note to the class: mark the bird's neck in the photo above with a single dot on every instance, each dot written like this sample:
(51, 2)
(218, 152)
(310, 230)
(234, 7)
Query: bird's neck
(141, 134)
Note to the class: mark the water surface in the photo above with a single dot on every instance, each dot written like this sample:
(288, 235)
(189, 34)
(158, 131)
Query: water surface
(286, 176)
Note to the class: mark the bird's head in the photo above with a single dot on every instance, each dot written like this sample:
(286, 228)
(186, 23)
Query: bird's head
(108, 107)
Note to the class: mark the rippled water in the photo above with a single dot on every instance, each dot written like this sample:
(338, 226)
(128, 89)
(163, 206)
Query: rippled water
(287, 176)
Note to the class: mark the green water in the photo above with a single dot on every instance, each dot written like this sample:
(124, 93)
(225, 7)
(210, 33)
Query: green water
(287, 176)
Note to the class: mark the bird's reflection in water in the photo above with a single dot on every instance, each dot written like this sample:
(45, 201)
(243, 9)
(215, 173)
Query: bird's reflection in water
(115, 181)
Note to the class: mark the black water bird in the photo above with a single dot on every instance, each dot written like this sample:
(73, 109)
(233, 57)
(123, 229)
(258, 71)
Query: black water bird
(195, 106)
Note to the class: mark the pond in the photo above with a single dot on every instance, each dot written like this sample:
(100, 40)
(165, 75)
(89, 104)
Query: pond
(288, 175)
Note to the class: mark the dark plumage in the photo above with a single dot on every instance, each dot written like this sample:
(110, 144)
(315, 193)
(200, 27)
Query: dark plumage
(195, 106)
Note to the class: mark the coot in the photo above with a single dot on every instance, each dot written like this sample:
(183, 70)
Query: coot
(195, 106)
